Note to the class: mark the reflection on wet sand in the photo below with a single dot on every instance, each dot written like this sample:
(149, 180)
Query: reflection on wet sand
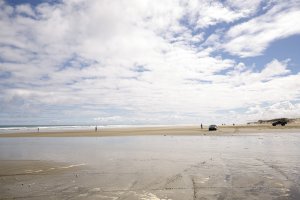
(259, 166)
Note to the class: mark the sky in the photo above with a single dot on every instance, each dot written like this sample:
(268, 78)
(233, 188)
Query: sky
(148, 61)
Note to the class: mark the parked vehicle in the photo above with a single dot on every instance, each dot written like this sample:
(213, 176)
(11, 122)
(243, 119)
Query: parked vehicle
(212, 128)
(281, 122)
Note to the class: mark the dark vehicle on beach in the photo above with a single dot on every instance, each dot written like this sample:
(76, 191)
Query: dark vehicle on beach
(212, 128)
(281, 122)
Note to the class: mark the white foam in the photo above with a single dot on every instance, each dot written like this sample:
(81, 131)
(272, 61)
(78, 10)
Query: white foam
(70, 166)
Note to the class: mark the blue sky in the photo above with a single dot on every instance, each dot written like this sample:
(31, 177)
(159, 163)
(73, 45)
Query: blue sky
(148, 62)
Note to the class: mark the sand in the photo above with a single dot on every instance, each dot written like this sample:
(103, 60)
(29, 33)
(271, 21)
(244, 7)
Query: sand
(168, 130)
(35, 179)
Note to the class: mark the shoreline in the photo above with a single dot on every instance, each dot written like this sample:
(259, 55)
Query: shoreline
(167, 130)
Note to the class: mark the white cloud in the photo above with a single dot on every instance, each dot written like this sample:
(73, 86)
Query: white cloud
(246, 5)
(284, 109)
(252, 37)
(207, 13)
(25, 9)
(275, 68)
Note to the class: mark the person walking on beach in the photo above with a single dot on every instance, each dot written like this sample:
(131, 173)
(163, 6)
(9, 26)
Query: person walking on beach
(201, 126)
(38, 130)
(96, 129)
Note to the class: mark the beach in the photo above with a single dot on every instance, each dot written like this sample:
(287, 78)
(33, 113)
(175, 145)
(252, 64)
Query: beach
(159, 130)
(154, 163)
(150, 100)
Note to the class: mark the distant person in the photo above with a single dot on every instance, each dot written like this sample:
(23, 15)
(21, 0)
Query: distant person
(38, 130)
(233, 124)
(96, 129)
(201, 126)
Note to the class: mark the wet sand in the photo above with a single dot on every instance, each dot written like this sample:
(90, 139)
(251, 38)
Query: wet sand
(35, 179)
(168, 130)
(255, 166)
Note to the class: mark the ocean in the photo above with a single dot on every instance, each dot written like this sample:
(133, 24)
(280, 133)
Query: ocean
(42, 128)
(54, 128)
